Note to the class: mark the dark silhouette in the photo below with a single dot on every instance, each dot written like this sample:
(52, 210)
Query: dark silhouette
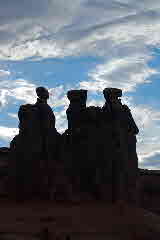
(34, 150)
(50, 139)
(95, 158)
(79, 173)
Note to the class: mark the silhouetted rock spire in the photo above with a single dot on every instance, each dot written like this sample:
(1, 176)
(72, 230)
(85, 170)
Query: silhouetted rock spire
(34, 149)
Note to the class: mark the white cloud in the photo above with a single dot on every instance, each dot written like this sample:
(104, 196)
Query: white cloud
(152, 161)
(4, 73)
(58, 96)
(19, 89)
(24, 91)
(7, 133)
(13, 115)
(61, 120)
(56, 29)
(125, 73)
(148, 139)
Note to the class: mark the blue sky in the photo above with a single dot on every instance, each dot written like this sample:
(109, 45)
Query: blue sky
(90, 44)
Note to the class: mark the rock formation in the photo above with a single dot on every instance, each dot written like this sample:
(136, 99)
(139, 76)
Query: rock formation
(95, 158)
(34, 150)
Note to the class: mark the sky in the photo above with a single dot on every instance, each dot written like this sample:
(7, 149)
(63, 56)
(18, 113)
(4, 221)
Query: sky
(82, 44)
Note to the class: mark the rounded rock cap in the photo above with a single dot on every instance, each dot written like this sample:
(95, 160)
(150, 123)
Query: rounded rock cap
(77, 94)
(42, 92)
(114, 91)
